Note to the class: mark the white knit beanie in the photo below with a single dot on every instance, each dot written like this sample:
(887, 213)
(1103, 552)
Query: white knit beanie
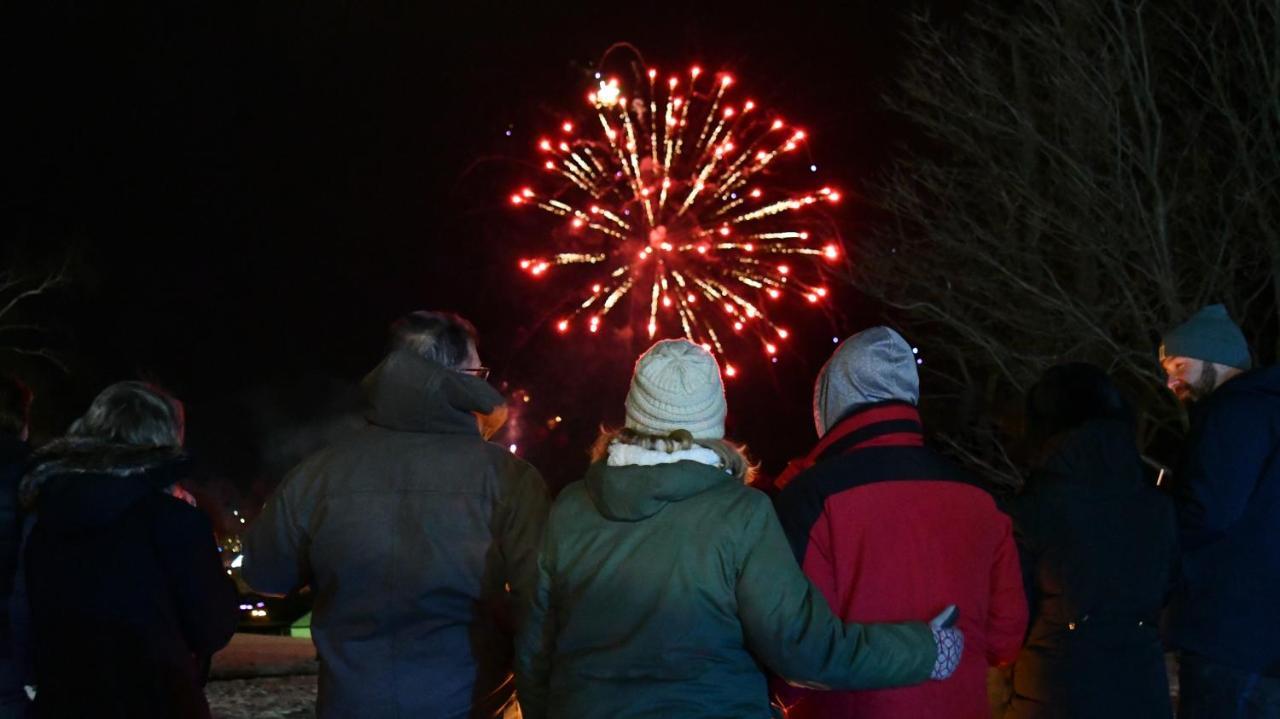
(676, 385)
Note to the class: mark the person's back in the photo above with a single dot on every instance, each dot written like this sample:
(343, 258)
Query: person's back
(666, 584)
(127, 597)
(659, 607)
(1099, 551)
(409, 534)
(886, 528)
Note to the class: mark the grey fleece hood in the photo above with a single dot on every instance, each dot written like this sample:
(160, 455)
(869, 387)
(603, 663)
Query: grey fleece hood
(875, 365)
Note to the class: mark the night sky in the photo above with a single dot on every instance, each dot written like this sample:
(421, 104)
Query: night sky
(248, 194)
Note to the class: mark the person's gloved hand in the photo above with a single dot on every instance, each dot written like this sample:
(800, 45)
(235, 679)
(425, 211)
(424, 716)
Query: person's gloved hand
(950, 642)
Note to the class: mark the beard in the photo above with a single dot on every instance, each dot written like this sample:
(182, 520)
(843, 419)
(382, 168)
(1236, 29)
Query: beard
(1203, 386)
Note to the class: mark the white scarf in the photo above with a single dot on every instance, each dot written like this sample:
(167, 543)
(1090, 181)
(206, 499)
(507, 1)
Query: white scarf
(625, 455)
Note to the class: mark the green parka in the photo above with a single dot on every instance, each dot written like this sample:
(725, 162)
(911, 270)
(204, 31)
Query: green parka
(668, 590)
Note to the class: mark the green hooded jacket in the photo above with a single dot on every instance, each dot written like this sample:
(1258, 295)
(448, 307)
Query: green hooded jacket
(668, 590)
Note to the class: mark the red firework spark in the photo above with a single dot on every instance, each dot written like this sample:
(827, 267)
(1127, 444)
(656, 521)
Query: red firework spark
(669, 192)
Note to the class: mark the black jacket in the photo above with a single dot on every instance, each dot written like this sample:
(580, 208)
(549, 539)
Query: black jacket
(128, 599)
(1099, 550)
(1227, 488)
(13, 459)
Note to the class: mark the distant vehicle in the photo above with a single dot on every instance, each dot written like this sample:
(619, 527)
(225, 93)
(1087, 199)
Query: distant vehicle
(261, 614)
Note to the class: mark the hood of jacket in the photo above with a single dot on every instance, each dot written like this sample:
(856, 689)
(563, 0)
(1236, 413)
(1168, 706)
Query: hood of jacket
(80, 484)
(1100, 456)
(634, 492)
(874, 366)
(409, 393)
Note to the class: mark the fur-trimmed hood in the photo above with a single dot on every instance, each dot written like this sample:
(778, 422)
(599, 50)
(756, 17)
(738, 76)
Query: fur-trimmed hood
(88, 483)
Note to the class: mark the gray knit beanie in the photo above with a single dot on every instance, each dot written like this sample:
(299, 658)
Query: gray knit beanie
(875, 365)
(676, 385)
(1208, 335)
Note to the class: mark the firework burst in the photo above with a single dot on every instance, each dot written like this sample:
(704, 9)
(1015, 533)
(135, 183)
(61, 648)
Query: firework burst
(667, 197)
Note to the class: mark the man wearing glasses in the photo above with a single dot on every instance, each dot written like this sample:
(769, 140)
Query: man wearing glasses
(418, 537)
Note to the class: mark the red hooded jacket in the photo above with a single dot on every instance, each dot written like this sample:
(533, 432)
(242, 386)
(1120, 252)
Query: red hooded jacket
(889, 530)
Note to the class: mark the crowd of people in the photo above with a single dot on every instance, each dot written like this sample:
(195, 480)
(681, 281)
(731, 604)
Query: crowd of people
(874, 577)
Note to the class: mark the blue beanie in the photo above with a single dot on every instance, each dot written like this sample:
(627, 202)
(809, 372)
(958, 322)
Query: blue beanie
(1208, 335)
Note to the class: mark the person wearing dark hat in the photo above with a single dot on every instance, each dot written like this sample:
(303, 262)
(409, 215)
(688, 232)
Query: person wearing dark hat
(1202, 353)
(1227, 491)
(666, 587)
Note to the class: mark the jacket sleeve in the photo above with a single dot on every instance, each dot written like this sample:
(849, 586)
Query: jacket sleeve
(522, 515)
(788, 625)
(1027, 527)
(1007, 612)
(205, 595)
(275, 546)
(1220, 468)
(535, 643)
(21, 623)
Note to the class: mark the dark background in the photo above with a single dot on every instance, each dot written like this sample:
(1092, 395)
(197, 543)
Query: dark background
(248, 195)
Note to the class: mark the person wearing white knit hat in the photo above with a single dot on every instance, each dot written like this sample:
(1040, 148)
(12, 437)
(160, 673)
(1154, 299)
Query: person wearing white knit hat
(673, 581)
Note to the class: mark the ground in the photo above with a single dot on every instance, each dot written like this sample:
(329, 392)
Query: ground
(263, 677)
(268, 677)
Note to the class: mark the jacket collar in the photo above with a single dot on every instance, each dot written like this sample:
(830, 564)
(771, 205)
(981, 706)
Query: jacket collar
(71, 457)
(885, 424)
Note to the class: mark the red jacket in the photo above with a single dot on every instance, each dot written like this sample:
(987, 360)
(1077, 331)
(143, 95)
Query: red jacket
(890, 531)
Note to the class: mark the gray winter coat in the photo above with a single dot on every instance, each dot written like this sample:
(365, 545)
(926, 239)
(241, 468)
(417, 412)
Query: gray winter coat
(410, 534)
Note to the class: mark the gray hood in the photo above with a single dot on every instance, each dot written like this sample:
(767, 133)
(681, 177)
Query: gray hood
(875, 365)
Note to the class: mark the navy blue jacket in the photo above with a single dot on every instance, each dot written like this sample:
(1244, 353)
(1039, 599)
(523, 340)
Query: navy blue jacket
(13, 459)
(127, 597)
(1227, 489)
(1099, 548)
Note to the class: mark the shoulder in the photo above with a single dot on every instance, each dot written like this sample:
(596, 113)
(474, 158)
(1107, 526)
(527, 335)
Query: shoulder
(176, 516)
(504, 460)
(1250, 396)
(572, 498)
(874, 465)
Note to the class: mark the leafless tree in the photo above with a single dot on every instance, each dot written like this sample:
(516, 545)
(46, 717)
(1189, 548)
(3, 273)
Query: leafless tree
(21, 335)
(1089, 173)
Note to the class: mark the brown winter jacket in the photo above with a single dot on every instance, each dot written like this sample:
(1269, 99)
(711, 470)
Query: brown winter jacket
(410, 534)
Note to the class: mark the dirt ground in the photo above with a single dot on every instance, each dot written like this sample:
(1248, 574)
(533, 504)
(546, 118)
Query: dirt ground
(263, 698)
(263, 677)
(266, 677)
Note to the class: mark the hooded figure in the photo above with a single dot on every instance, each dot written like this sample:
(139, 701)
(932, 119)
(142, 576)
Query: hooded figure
(1099, 550)
(887, 529)
(419, 539)
(666, 587)
(126, 595)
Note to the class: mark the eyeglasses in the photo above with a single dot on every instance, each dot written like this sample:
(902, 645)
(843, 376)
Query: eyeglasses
(481, 372)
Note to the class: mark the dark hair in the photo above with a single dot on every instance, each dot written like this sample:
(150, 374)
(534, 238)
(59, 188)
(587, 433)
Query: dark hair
(133, 413)
(15, 405)
(441, 337)
(1068, 395)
